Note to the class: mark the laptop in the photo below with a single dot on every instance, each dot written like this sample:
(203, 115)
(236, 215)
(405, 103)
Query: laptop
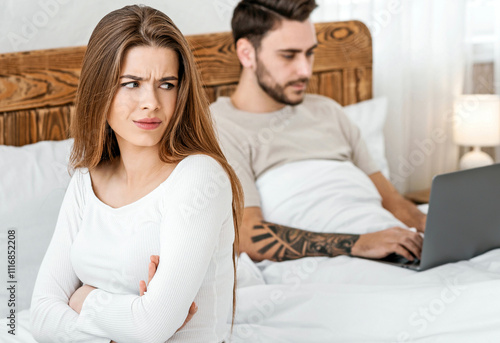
(463, 220)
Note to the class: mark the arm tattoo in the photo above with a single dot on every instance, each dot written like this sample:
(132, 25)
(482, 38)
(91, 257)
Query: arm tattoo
(286, 243)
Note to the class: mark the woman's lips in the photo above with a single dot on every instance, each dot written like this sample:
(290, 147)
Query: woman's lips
(148, 123)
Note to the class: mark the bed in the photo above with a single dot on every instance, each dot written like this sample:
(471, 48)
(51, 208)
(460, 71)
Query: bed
(338, 299)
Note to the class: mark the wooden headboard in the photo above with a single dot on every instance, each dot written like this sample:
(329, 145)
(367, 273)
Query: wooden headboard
(37, 88)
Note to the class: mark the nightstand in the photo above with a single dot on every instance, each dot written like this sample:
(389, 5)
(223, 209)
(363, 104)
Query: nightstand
(419, 197)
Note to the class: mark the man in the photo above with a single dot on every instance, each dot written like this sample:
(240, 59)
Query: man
(275, 42)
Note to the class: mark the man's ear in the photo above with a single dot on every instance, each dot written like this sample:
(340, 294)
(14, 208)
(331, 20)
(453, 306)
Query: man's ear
(246, 53)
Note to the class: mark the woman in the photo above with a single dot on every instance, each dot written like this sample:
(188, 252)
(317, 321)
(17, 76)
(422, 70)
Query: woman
(157, 184)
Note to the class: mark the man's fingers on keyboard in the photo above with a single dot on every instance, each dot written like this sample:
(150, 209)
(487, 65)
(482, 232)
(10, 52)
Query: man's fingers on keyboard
(413, 248)
(400, 250)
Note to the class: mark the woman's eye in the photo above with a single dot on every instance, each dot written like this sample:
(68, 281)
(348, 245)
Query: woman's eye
(167, 85)
(132, 84)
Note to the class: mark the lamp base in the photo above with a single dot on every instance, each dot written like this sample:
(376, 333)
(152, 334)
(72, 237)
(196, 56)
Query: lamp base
(474, 159)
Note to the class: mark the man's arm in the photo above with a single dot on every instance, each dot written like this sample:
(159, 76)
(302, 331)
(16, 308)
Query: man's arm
(401, 208)
(267, 241)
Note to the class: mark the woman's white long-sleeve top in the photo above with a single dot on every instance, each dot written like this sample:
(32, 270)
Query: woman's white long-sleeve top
(187, 220)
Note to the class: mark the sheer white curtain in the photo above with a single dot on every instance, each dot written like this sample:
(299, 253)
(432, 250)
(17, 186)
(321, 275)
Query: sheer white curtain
(418, 53)
(483, 49)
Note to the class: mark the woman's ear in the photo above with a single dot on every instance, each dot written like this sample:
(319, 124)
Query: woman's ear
(246, 53)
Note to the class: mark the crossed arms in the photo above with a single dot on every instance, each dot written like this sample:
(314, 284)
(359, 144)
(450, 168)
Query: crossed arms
(263, 240)
(77, 299)
(52, 318)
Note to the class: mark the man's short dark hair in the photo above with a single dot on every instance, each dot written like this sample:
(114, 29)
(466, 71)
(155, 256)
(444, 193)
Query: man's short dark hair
(252, 19)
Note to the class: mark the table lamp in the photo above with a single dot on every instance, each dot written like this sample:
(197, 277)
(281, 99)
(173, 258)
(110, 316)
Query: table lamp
(476, 124)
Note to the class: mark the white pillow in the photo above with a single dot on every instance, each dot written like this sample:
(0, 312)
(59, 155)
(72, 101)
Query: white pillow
(33, 182)
(370, 116)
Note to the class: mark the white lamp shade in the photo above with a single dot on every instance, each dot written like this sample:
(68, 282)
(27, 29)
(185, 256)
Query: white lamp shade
(477, 120)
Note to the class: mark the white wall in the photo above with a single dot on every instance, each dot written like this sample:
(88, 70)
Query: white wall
(44, 24)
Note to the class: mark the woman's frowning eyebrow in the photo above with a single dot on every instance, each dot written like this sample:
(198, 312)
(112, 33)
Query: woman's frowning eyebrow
(137, 78)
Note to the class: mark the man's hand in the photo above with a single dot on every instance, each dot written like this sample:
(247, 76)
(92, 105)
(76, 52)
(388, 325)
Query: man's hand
(393, 240)
(153, 265)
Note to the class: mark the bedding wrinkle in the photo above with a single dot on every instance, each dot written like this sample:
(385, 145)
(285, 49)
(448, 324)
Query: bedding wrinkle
(462, 299)
(323, 196)
(457, 302)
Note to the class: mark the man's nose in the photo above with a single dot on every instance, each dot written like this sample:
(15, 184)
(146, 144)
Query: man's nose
(304, 67)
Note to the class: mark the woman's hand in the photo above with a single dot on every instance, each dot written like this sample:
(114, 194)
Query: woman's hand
(77, 299)
(153, 265)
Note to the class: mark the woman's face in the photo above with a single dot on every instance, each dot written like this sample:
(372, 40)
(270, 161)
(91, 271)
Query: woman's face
(145, 100)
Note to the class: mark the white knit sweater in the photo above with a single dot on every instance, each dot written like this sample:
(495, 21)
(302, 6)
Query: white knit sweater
(187, 220)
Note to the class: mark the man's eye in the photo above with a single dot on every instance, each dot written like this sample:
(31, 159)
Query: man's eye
(132, 84)
(309, 53)
(288, 56)
(167, 85)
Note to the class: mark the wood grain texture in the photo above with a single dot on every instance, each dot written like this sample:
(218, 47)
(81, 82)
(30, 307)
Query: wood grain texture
(313, 86)
(40, 78)
(53, 123)
(216, 58)
(364, 83)
(25, 127)
(62, 58)
(330, 85)
(342, 45)
(210, 91)
(225, 90)
(2, 131)
(37, 88)
(20, 128)
(349, 87)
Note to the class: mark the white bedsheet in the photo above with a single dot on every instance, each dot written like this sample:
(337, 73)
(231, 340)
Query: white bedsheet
(346, 299)
(323, 196)
(22, 332)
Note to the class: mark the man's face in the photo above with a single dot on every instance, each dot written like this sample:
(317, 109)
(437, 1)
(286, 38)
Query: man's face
(284, 61)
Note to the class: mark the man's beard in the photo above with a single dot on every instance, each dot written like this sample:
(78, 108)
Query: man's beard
(276, 91)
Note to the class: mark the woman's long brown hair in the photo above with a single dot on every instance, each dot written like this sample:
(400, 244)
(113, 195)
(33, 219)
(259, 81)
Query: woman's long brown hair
(190, 131)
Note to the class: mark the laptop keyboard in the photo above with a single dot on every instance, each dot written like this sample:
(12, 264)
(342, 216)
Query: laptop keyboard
(395, 258)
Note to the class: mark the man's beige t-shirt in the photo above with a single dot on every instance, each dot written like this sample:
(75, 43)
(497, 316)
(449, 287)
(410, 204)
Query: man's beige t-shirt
(317, 128)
